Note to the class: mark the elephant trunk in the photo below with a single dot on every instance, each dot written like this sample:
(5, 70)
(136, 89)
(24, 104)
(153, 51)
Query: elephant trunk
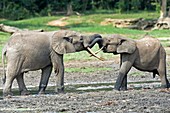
(95, 39)
(98, 41)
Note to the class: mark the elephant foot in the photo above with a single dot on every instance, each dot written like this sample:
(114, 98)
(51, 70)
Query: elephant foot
(165, 86)
(114, 89)
(165, 90)
(117, 88)
(123, 89)
(168, 85)
(41, 92)
(59, 90)
(24, 93)
(7, 95)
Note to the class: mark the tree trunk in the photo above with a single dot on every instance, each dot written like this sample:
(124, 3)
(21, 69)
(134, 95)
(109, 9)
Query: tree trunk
(169, 12)
(163, 12)
(69, 9)
(85, 2)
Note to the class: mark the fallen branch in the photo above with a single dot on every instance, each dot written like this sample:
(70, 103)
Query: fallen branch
(11, 29)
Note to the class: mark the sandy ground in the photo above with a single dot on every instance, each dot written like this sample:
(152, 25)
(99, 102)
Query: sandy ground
(92, 92)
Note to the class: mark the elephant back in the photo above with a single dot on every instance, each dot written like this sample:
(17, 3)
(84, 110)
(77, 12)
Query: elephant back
(148, 47)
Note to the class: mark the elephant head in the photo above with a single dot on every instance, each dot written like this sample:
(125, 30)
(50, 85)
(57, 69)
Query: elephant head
(117, 44)
(66, 41)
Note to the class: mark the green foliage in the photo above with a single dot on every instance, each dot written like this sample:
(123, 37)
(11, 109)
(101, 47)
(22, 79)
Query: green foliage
(22, 9)
(123, 5)
(157, 6)
(14, 12)
(3, 39)
(135, 5)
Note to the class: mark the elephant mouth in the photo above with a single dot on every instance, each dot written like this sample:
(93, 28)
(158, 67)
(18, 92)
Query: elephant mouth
(115, 53)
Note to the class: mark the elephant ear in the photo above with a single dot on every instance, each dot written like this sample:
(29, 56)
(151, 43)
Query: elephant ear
(126, 46)
(62, 43)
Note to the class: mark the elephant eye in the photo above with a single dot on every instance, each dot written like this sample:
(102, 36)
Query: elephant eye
(69, 39)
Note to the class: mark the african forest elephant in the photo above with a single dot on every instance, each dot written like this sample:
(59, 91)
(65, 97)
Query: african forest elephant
(146, 54)
(27, 51)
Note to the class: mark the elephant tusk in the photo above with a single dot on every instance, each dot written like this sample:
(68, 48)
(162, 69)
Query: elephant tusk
(93, 54)
(98, 50)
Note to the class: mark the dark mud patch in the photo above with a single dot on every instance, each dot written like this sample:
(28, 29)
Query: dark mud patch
(132, 101)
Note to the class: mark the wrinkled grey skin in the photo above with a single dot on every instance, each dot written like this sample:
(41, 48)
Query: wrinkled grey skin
(146, 54)
(28, 51)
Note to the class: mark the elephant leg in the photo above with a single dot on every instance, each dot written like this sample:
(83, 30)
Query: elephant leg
(121, 82)
(59, 70)
(46, 72)
(124, 83)
(126, 64)
(163, 76)
(8, 84)
(57, 61)
(13, 70)
(22, 88)
(60, 78)
(162, 69)
(10, 76)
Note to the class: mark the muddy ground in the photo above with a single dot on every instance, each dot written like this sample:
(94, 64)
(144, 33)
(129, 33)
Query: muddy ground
(92, 92)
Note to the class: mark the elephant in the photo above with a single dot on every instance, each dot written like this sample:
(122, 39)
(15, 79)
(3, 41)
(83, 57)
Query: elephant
(30, 50)
(145, 54)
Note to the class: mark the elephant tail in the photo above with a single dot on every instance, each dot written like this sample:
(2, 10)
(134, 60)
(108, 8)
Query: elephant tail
(4, 50)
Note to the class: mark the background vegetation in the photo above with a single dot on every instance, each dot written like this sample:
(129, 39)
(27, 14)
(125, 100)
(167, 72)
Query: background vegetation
(21, 9)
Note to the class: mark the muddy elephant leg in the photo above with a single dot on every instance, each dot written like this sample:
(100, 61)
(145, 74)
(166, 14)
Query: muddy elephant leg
(120, 82)
(59, 70)
(163, 77)
(46, 72)
(57, 61)
(8, 84)
(60, 78)
(126, 64)
(13, 70)
(124, 83)
(162, 72)
(22, 88)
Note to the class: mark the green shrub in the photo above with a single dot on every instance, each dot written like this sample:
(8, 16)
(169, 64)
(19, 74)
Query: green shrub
(14, 12)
